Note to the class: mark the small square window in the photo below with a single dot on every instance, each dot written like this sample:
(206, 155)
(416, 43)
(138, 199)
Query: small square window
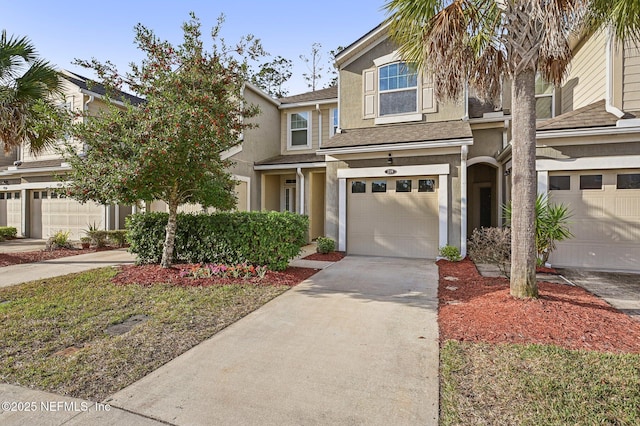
(16, 195)
(403, 185)
(43, 194)
(591, 182)
(8, 195)
(36, 195)
(358, 187)
(379, 186)
(628, 181)
(426, 185)
(559, 183)
(54, 194)
(1, 195)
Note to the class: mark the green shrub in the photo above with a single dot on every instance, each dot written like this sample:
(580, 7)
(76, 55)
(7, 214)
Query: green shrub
(7, 232)
(451, 253)
(325, 245)
(59, 240)
(117, 237)
(259, 238)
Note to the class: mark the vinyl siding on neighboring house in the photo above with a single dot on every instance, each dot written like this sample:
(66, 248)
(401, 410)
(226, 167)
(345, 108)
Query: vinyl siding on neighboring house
(284, 129)
(631, 79)
(586, 82)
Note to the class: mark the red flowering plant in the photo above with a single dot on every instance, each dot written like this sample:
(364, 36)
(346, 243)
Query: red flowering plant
(167, 143)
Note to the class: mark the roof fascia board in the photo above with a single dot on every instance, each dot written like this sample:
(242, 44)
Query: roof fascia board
(290, 166)
(364, 40)
(597, 131)
(34, 170)
(396, 147)
(308, 103)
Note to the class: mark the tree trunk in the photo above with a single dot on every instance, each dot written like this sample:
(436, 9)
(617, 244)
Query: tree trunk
(524, 186)
(170, 236)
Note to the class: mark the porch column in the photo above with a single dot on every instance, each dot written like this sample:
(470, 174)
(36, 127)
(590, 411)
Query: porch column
(464, 150)
(443, 210)
(342, 214)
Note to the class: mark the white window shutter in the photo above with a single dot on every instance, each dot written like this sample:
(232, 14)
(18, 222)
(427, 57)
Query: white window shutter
(428, 96)
(369, 93)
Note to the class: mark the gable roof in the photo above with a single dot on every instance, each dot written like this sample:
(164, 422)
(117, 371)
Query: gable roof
(329, 93)
(89, 85)
(400, 133)
(371, 38)
(593, 115)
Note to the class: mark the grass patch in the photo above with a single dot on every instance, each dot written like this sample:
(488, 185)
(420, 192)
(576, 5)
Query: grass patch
(42, 318)
(508, 384)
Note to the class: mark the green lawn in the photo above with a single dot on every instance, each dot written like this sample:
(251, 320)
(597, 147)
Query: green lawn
(537, 385)
(41, 318)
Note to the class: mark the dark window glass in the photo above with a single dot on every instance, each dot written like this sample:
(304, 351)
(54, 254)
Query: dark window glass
(628, 181)
(43, 194)
(426, 185)
(36, 195)
(379, 186)
(16, 195)
(358, 187)
(54, 194)
(403, 185)
(591, 182)
(1, 195)
(559, 183)
(8, 195)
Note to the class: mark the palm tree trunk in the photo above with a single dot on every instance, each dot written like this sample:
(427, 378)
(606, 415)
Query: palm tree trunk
(170, 236)
(524, 186)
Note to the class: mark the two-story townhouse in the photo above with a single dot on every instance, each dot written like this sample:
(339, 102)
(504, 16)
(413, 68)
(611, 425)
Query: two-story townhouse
(407, 175)
(31, 198)
(295, 179)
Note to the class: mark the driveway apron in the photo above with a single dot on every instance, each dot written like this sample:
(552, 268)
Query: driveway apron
(357, 343)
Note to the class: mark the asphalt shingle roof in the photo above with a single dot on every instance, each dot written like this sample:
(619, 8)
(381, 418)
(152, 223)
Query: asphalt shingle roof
(593, 115)
(88, 84)
(291, 159)
(400, 133)
(318, 95)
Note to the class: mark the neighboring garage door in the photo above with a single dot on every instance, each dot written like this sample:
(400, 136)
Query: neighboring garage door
(11, 210)
(51, 213)
(393, 217)
(605, 222)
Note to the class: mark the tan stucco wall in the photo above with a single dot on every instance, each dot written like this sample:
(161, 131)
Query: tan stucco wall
(351, 92)
(486, 142)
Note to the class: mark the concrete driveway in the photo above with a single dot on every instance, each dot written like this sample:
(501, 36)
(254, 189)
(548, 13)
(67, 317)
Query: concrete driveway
(355, 344)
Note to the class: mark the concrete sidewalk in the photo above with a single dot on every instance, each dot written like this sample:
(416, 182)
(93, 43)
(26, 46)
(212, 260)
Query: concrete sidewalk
(16, 274)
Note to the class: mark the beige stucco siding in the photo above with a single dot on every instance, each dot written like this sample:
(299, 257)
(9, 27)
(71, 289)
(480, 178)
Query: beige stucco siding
(631, 78)
(586, 82)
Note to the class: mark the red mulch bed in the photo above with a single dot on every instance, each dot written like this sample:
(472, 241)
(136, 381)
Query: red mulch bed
(334, 256)
(154, 274)
(7, 259)
(481, 309)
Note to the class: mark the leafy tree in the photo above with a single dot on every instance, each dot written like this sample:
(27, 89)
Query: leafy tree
(485, 42)
(28, 88)
(313, 65)
(272, 75)
(169, 146)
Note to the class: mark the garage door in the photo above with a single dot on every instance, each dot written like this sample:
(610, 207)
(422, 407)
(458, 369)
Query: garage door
(51, 213)
(11, 209)
(606, 218)
(393, 217)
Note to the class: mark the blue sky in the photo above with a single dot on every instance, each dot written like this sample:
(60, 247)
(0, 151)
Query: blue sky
(62, 31)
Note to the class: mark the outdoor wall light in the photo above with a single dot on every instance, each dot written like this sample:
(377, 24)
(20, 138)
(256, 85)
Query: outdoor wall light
(389, 159)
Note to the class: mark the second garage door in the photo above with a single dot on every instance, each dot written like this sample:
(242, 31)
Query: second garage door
(51, 212)
(393, 217)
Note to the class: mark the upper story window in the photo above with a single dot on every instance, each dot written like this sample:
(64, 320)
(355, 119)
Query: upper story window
(299, 136)
(545, 105)
(398, 89)
(334, 121)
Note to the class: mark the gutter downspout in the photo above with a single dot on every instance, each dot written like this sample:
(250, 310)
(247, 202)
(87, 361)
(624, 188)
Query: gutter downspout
(609, 107)
(301, 189)
(464, 150)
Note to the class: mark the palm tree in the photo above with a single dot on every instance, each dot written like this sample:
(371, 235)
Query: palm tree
(486, 42)
(27, 84)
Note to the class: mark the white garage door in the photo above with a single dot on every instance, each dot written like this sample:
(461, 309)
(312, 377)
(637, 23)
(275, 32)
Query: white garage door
(606, 218)
(11, 209)
(51, 213)
(393, 217)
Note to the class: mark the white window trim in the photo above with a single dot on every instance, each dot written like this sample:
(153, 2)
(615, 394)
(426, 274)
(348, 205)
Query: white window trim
(309, 131)
(401, 117)
(551, 95)
(332, 131)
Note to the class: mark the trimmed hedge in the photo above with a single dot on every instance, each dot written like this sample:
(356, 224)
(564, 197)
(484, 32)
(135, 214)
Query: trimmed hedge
(260, 238)
(7, 232)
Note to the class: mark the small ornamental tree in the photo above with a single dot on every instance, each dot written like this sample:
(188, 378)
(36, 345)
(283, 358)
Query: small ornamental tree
(169, 146)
